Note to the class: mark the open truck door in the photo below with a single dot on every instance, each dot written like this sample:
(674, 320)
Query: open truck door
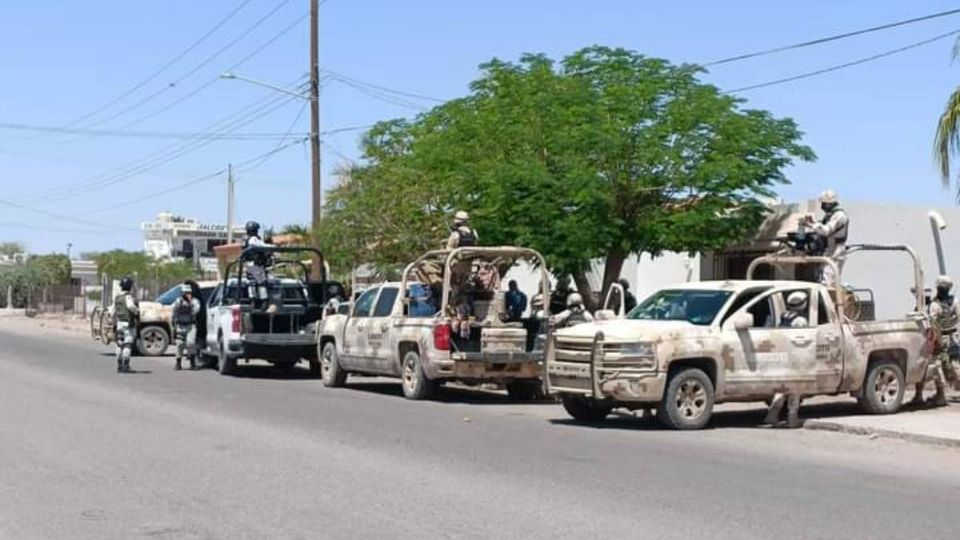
(614, 306)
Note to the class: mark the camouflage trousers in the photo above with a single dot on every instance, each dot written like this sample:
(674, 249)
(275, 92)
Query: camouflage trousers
(185, 337)
(946, 363)
(125, 337)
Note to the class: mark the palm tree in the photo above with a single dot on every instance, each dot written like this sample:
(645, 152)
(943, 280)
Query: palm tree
(947, 141)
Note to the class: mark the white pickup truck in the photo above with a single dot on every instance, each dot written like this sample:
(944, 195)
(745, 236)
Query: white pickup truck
(690, 346)
(236, 329)
(449, 323)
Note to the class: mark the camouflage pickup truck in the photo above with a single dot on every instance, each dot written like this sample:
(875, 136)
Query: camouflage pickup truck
(688, 347)
(155, 328)
(445, 321)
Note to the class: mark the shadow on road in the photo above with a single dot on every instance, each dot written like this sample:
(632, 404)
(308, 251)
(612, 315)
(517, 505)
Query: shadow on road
(458, 395)
(744, 418)
(260, 371)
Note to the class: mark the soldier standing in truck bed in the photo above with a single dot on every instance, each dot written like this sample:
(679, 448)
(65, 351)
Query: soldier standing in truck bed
(461, 234)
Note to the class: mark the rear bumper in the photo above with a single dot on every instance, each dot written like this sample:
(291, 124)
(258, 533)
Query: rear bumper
(486, 366)
(282, 347)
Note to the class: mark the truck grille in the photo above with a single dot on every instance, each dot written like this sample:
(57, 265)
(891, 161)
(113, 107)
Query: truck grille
(612, 355)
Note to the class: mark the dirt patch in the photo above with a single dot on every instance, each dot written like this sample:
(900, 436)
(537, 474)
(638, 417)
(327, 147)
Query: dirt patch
(56, 325)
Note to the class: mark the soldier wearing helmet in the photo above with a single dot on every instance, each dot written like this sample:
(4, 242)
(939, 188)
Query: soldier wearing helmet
(945, 315)
(126, 311)
(575, 313)
(461, 234)
(834, 226)
(185, 310)
(257, 268)
(796, 314)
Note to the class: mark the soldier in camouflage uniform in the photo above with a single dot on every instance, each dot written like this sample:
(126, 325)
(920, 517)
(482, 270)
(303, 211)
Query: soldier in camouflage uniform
(945, 316)
(185, 310)
(126, 311)
(575, 313)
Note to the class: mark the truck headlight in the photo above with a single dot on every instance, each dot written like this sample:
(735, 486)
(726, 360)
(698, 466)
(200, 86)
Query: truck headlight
(638, 349)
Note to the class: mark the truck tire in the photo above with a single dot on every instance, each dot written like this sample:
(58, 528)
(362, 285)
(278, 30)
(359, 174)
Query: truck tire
(883, 388)
(225, 364)
(586, 409)
(331, 372)
(687, 401)
(414, 381)
(524, 390)
(153, 341)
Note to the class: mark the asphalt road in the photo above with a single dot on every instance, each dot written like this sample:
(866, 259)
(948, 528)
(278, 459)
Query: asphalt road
(88, 453)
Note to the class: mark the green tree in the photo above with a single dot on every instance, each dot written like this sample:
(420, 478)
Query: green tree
(601, 155)
(947, 136)
(10, 250)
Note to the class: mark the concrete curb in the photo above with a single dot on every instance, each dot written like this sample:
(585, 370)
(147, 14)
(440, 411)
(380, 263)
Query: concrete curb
(826, 425)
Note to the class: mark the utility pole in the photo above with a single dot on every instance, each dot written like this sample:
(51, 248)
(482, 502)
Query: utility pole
(230, 203)
(316, 190)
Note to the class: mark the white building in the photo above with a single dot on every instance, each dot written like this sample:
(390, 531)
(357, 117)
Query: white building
(172, 237)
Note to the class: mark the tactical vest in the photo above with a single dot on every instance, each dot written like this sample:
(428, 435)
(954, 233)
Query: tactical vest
(260, 259)
(120, 311)
(576, 317)
(466, 237)
(183, 314)
(841, 235)
(947, 321)
(787, 319)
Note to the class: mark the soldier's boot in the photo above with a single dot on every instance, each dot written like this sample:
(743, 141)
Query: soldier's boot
(193, 361)
(776, 405)
(918, 395)
(940, 398)
(177, 367)
(793, 411)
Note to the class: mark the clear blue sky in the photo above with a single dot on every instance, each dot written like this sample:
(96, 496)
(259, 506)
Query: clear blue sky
(871, 125)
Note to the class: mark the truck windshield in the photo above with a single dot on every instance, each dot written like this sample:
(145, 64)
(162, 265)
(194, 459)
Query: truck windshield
(699, 307)
(170, 296)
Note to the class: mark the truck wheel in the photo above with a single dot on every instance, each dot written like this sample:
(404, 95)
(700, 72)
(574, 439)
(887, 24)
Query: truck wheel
(153, 341)
(524, 390)
(688, 400)
(586, 409)
(331, 373)
(883, 388)
(415, 383)
(225, 364)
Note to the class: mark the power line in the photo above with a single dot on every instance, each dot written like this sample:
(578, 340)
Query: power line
(192, 181)
(832, 38)
(162, 69)
(196, 68)
(231, 122)
(388, 90)
(142, 134)
(293, 124)
(844, 65)
(214, 80)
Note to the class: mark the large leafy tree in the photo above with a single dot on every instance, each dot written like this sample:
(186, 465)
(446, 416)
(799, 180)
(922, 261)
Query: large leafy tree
(601, 155)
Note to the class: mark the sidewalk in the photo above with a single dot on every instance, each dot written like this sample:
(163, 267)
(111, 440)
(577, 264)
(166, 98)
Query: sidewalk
(926, 425)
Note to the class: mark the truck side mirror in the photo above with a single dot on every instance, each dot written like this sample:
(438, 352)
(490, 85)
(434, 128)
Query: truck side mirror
(743, 321)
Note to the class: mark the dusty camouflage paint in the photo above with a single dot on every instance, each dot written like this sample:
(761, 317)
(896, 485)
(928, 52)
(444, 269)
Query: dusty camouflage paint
(750, 364)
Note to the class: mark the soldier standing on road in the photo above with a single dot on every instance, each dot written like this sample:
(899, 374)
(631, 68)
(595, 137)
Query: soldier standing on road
(185, 310)
(945, 315)
(461, 234)
(126, 311)
(574, 314)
